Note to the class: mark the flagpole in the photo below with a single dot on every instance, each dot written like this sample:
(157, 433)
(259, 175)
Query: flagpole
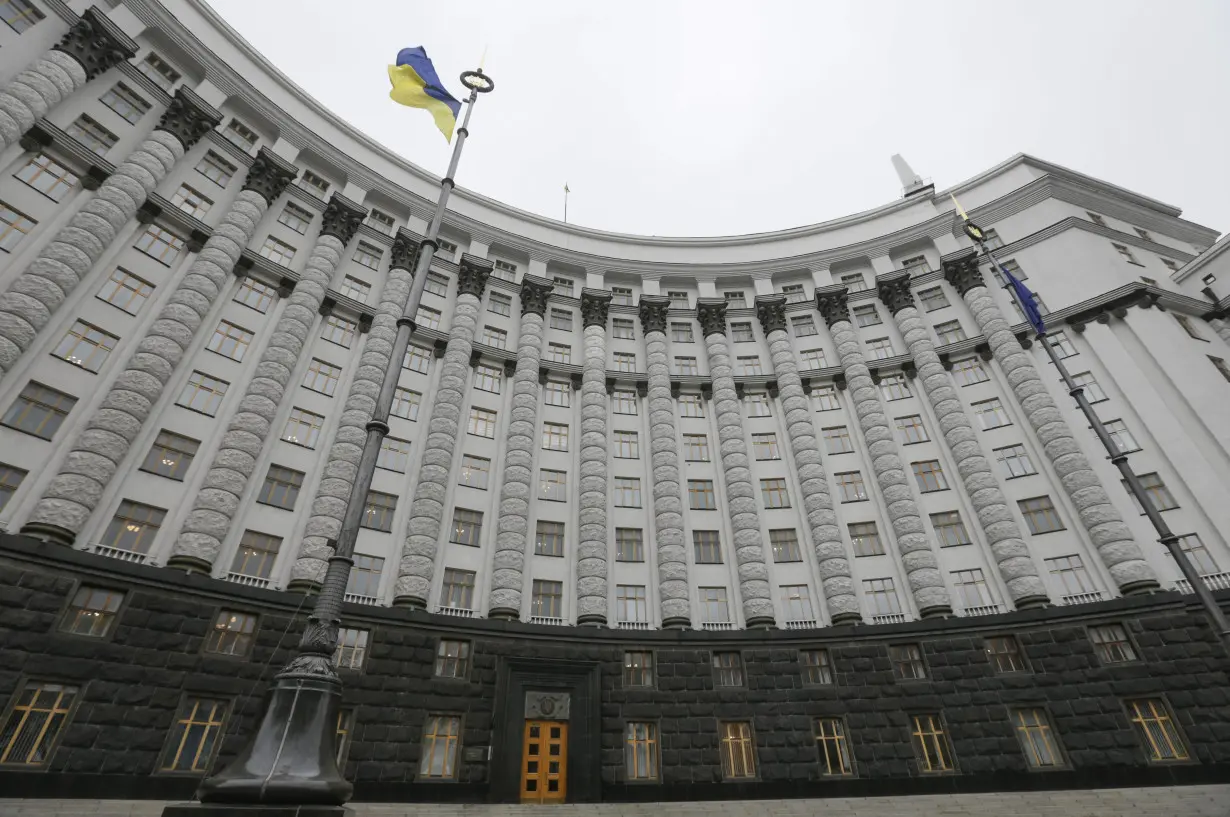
(292, 757)
(566, 192)
(1117, 457)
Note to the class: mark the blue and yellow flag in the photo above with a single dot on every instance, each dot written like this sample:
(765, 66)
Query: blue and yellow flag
(417, 85)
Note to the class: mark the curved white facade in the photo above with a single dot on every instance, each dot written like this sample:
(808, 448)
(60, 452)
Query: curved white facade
(780, 465)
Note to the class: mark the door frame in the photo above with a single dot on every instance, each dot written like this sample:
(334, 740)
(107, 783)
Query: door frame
(580, 679)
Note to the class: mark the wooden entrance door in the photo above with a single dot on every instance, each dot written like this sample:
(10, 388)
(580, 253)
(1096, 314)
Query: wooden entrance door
(544, 762)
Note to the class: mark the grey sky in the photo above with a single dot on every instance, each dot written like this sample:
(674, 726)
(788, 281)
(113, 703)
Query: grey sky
(717, 117)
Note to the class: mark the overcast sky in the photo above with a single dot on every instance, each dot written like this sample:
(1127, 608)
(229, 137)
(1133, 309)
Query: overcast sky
(714, 117)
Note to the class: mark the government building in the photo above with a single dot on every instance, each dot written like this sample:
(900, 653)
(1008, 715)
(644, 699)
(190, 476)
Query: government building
(800, 514)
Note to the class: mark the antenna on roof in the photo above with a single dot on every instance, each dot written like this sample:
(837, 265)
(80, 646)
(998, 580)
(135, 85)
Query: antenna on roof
(911, 182)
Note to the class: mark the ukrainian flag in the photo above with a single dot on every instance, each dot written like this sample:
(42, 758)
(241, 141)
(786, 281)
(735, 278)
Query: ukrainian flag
(417, 85)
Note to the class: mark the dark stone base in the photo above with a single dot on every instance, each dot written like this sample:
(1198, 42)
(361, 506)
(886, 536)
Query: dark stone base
(189, 564)
(49, 533)
(227, 810)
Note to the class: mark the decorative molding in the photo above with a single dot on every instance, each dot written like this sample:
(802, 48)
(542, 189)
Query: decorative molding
(342, 218)
(188, 117)
(895, 292)
(653, 309)
(771, 309)
(472, 275)
(595, 306)
(711, 313)
(269, 175)
(963, 273)
(96, 43)
(534, 294)
(833, 303)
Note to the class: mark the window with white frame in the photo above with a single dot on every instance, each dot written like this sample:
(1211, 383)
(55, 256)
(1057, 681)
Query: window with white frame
(623, 329)
(277, 251)
(794, 293)
(295, 217)
(880, 348)
(867, 315)
(691, 405)
(881, 595)
(932, 298)
(686, 365)
(757, 404)
(623, 402)
(367, 255)
(949, 332)
(500, 304)
(621, 296)
(561, 319)
(354, 288)
(991, 414)
(481, 423)
(497, 338)
(681, 332)
(813, 359)
(624, 361)
(559, 353)
(240, 135)
(911, 429)
(894, 387)
(825, 398)
(1040, 514)
(865, 538)
(627, 492)
(1070, 574)
(475, 472)
(488, 378)
(557, 393)
(552, 485)
(853, 281)
(555, 436)
(735, 300)
(949, 529)
(803, 325)
(159, 71)
(750, 364)
(339, 330)
(969, 371)
(406, 404)
(192, 201)
(1016, 461)
(679, 300)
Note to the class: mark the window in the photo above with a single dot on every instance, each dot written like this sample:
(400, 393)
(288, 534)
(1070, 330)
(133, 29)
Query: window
(406, 404)
(457, 592)
(911, 430)
(394, 455)
(481, 423)
(428, 318)
(39, 410)
(504, 269)
(341, 331)
(1110, 642)
(713, 606)
(191, 201)
(378, 511)
(907, 662)
(971, 588)
(1040, 515)
(230, 340)
(813, 359)
(930, 743)
(475, 471)
(453, 657)
(1016, 461)
(240, 135)
(837, 440)
(629, 545)
(681, 332)
(231, 634)
(773, 491)
(561, 319)
(991, 414)
(314, 184)
(303, 428)
(281, 487)
(216, 169)
(794, 293)
(1004, 653)
(1060, 343)
(279, 252)
(351, 648)
(623, 329)
(880, 348)
(353, 287)
(159, 71)
(707, 547)
(796, 603)
(641, 751)
(495, 337)
(690, 405)
(929, 476)
(86, 130)
(417, 359)
(992, 239)
(19, 15)
(381, 222)
(1093, 392)
(949, 529)
(630, 603)
(10, 481)
(738, 750)
(47, 177)
(867, 315)
(1015, 268)
(727, 669)
(202, 393)
(488, 378)
(436, 284)
(626, 447)
(562, 353)
(555, 436)
(467, 527)
(37, 716)
(13, 227)
(86, 346)
(686, 365)
(562, 285)
(750, 365)
(853, 281)
(735, 300)
(195, 735)
(256, 554)
(547, 599)
(91, 612)
(700, 495)
(1121, 437)
(932, 298)
(1071, 574)
(557, 394)
(500, 304)
(785, 543)
(638, 668)
(866, 539)
(1156, 730)
(441, 736)
(893, 387)
(255, 295)
(803, 325)
(825, 398)
(949, 332)
(817, 670)
(882, 596)
(365, 578)
(322, 377)
(850, 486)
(742, 333)
(159, 244)
(621, 296)
(969, 371)
(696, 447)
(1190, 544)
(679, 300)
(549, 539)
(834, 747)
(765, 447)
(1123, 250)
(170, 455)
(1037, 738)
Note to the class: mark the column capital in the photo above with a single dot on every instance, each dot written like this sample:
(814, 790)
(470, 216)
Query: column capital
(653, 313)
(534, 294)
(342, 218)
(894, 291)
(711, 312)
(96, 43)
(472, 275)
(595, 304)
(833, 304)
(269, 175)
(963, 273)
(405, 250)
(188, 117)
(771, 309)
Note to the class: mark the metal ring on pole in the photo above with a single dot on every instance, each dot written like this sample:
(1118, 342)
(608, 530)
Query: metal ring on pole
(477, 81)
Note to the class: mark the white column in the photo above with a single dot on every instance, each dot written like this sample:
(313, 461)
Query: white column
(594, 530)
